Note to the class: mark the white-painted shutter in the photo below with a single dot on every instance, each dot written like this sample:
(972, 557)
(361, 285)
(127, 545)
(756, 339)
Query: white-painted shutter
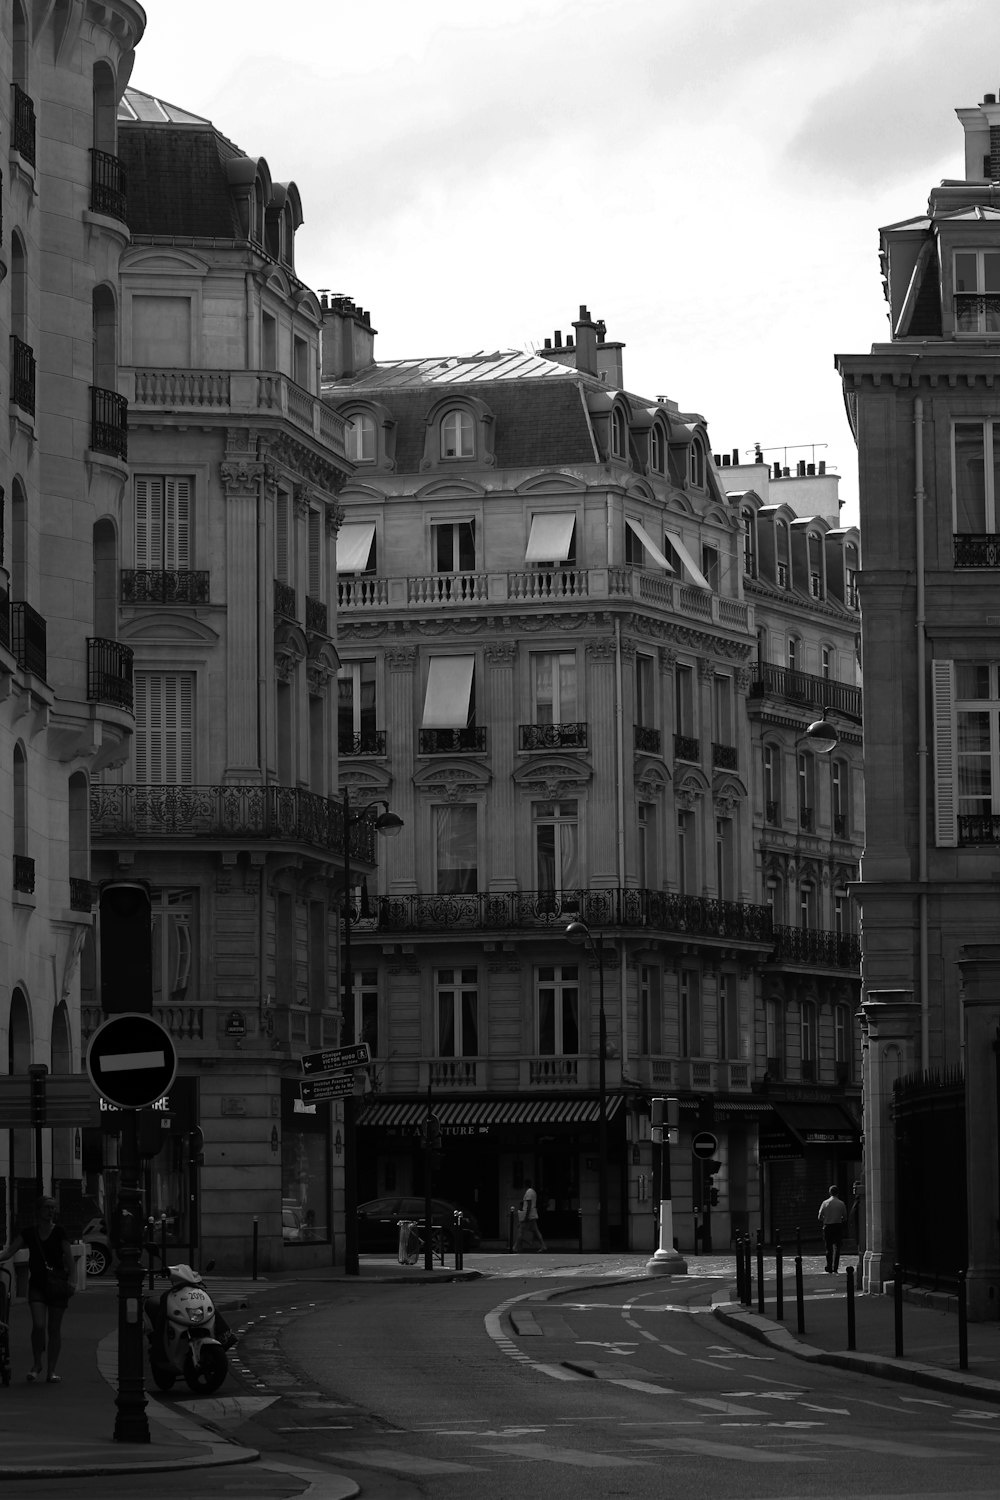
(177, 524)
(164, 728)
(148, 523)
(943, 698)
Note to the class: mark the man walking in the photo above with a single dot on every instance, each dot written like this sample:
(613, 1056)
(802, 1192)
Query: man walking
(833, 1217)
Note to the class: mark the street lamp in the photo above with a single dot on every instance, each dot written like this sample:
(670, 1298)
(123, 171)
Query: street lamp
(388, 824)
(579, 932)
(823, 736)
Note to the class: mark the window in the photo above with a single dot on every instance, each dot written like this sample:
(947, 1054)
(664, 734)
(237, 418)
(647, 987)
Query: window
(684, 699)
(356, 707)
(749, 543)
(807, 790)
(645, 680)
(163, 748)
(977, 291)
(976, 476)
(807, 905)
(302, 365)
(171, 921)
(843, 1045)
(814, 550)
(650, 1016)
(657, 449)
(733, 1044)
(691, 1018)
(315, 558)
(268, 342)
(977, 757)
(454, 546)
(162, 522)
(710, 566)
(680, 561)
(774, 895)
(794, 653)
(772, 784)
(783, 547)
(284, 562)
(558, 1000)
(646, 846)
(838, 797)
(457, 1007)
(722, 709)
(458, 438)
(361, 438)
(841, 913)
(807, 1037)
(685, 854)
(619, 441)
(641, 550)
(826, 662)
(356, 551)
(696, 465)
(556, 846)
(456, 842)
(361, 1013)
(552, 539)
(724, 858)
(450, 698)
(553, 687)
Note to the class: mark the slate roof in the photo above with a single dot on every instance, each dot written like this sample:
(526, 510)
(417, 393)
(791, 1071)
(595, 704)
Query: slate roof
(175, 163)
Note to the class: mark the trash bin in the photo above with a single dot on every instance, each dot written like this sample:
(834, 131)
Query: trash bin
(409, 1243)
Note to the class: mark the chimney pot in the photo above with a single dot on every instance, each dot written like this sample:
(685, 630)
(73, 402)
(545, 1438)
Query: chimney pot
(558, 338)
(989, 98)
(822, 466)
(777, 469)
(548, 343)
(800, 469)
(584, 314)
(810, 468)
(786, 473)
(725, 460)
(569, 342)
(736, 457)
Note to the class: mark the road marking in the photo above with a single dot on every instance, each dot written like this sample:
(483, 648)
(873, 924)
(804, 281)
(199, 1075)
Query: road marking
(834, 1411)
(574, 1456)
(644, 1385)
(559, 1372)
(879, 1445)
(733, 1451)
(729, 1408)
(400, 1463)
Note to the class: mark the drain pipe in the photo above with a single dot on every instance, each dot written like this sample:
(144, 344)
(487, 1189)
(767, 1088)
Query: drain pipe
(922, 738)
(620, 814)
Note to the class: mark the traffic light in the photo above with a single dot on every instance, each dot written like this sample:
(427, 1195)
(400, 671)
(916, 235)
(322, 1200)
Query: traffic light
(431, 1132)
(37, 1073)
(664, 1119)
(126, 948)
(711, 1167)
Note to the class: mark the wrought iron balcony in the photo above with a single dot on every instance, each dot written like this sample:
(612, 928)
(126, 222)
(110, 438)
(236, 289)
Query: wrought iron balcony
(81, 894)
(367, 742)
(772, 813)
(816, 947)
(805, 689)
(553, 736)
(316, 616)
(164, 586)
(452, 741)
(108, 422)
(724, 757)
(281, 813)
(972, 551)
(22, 375)
(687, 748)
(977, 312)
(284, 600)
(646, 739)
(24, 874)
(22, 125)
(4, 619)
(28, 638)
(840, 825)
(109, 673)
(108, 186)
(978, 828)
(806, 819)
(505, 911)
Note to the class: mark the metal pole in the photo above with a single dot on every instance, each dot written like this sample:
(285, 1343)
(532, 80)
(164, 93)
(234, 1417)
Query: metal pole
(779, 1285)
(151, 1244)
(131, 1422)
(428, 1194)
(351, 1266)
(602, 1118)
(800, 1300)
(963, 1323)
(897, 1306)
(163, 1244)
(852, 1341)
(256, 1242)
(760, 1272)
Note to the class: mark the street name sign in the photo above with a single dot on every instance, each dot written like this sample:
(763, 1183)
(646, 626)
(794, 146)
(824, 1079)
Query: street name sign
(704, 1145)
(132, 1060)
(338, 1059)
(314, 1091)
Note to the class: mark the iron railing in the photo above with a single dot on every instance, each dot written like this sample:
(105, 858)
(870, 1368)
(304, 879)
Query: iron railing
(367, 742)
(817, 947)
(451, 741)
(28, 638)
(228, 812)
(109, 673)
(646, 739)
(977, 312)
(977, 551)
(108, 422)
(686, 747)
(805, 688)
(81, 894)
(4, 619)
(317, 616)
(724, 757)
(164, 585)
(553, 736)
(978, 828)
(22, 126)
(284, 600)
(22, 375)
(108, 186)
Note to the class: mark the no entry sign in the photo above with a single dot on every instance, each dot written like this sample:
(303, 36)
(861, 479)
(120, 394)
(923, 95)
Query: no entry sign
(131, 1061)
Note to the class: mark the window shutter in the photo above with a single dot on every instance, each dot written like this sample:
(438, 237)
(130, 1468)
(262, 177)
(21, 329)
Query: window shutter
(164, 728)
(315, 554)
(177, 524)
(281, 559)
(148, 523)
(943, 697)
(140, 743)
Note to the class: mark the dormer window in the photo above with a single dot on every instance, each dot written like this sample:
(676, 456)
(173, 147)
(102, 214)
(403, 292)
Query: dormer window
(977, 291)
(749, 543)
(458, 438)
(696, 465)
(657, 449)
(618, 440)
(361, 439)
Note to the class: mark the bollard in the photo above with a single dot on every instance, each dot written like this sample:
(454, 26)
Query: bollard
(163, 1244)
(741, 1287)
(963, 1323)
(256, 1236)
(150, 1247)
(800, 1300)
(745, 1265)
(760, 1272)
(852, 1340)
(511, 1223)
(459, 1248)
(779, 1287)
(897, 1301)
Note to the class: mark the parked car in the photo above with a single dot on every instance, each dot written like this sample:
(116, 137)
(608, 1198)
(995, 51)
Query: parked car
(378, 1224)
(101, 1253)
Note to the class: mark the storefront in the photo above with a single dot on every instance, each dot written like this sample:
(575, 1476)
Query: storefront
(805, 1145)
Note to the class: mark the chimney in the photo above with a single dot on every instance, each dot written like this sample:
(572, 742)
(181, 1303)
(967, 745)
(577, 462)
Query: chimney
(348, 343)
(586, 342)
(981, 124)
(736, 457)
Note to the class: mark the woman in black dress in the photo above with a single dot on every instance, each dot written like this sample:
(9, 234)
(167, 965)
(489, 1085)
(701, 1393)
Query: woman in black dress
(50, 1279)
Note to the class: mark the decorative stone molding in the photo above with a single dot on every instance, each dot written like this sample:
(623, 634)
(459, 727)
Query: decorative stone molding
(743, 677)
(668, 658)
(501, 653)
(706, 670)
(601, 649)
(335, 515)
(401, 658)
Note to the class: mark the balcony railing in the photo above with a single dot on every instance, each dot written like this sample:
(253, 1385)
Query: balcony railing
(505, 911)
(238, 391)
(24, 874)
(816, 947)
(22, 126)
(807, 819)
(772, 813)
(646, 739)
(4, 619)
(724, 757)
(108, 422)
(973, 551)
(553, 736)
(109, 673)
(228, 812)
(364, 592)
(978, 828)
(447, 588)
(367, 742)
(977, 312)
(452, 741)
(317, 616)
(284, 600)
(164, 586)
(687, 748)
(22, 375)
(548, 583)
(81, 894)
(804, 688)
(108, 186)
(28, 638)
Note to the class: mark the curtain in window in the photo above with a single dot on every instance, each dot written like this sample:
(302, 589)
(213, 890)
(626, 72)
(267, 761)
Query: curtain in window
(455, 842)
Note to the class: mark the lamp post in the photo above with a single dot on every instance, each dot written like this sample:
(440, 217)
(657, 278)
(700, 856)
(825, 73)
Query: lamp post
(579, 932)
(389, 825)
(823, 736)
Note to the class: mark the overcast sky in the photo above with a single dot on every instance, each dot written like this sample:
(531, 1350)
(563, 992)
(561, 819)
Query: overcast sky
(708, 178)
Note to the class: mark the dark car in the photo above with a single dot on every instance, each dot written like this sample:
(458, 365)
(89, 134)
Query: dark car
(378, 1224)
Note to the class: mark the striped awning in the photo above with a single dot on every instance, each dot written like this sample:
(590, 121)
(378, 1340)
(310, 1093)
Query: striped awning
(408, 1113)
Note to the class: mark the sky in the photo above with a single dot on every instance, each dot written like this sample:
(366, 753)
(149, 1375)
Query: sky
(709, 178)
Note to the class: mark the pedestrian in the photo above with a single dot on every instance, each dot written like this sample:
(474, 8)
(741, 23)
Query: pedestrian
(51, 1275)
(833, 1217)
(530, 1228)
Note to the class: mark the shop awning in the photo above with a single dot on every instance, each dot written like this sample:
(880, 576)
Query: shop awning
(449, 692)
(551, 537)
(695, 574)
(638, 530)
(819, 1127)
(409, 1114)
(354, 545)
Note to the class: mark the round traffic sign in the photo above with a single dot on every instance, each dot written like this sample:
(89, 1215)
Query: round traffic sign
(132, 1060)
(704, 1144)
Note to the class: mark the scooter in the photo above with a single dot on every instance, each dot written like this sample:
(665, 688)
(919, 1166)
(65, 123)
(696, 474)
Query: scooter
(183, 1336)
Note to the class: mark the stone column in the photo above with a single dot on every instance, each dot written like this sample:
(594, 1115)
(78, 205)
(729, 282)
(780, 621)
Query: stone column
(892, 1023)
(242, 478)
(501, 717)
(398, 856)
(979, 965)
(602, 700)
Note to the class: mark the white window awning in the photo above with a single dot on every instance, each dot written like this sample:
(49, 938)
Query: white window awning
(551, 537)
(647, 541)
(695, 574)
(449, 692)
(354, 545)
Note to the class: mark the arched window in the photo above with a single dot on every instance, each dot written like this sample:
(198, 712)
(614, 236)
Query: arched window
(458, 437)
(657, 449)
(696, 465)
(20, 808)
(79, 828)
(749, 543)
(618, 443)
(361, 438)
